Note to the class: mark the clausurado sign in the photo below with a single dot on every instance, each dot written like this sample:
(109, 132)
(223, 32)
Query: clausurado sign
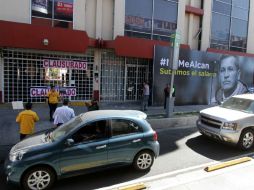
(41, 91)
(50, 63)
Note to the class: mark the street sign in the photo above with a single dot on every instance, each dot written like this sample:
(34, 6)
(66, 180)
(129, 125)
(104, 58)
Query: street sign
(175, 43)
(176, 39)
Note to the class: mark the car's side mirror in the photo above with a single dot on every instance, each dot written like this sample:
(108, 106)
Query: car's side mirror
(69, 142)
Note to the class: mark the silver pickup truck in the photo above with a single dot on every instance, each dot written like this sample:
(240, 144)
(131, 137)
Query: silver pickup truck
(231, 122)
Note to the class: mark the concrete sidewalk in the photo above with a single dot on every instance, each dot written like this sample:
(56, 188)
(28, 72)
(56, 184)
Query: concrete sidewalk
(236, 177)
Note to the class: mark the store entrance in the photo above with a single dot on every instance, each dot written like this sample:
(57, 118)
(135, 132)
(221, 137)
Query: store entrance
(135, 76)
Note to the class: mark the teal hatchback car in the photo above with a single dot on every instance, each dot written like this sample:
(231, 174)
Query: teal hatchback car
(89, 142)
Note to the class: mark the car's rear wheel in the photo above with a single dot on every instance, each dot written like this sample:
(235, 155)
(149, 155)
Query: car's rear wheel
(246, 140)
(143, 160)
(38, 178)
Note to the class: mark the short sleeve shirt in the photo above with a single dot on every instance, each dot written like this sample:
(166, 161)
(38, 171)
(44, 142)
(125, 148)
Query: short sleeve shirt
(27, 119)
(53, 97)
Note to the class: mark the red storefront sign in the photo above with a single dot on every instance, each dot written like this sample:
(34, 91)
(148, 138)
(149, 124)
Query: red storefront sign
(41, 91)
(64, 8)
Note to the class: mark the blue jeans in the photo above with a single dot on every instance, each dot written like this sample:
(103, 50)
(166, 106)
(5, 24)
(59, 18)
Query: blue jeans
(144, 103)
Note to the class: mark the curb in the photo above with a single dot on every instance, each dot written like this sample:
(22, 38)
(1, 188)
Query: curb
(227, 164)
(175, 122)
(138, 186)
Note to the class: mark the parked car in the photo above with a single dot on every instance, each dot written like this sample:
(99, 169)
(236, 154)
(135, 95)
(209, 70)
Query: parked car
(231, 122)
(90, 141)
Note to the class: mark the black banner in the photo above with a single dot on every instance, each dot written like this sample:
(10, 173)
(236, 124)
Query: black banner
(201, 77)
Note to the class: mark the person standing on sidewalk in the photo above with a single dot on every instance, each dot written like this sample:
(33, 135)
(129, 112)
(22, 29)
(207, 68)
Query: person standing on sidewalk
(53, 98)
(26, 120)
(145, 98)
(166, 95)
(63, 114)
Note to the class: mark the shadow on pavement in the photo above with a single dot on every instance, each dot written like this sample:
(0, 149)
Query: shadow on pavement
(217, 150)
(168, 138)
(99, 179)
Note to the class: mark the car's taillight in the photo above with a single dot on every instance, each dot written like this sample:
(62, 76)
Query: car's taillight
(155, 136)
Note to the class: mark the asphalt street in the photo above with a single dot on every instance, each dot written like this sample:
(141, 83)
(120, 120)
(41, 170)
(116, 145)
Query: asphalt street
(180, 148)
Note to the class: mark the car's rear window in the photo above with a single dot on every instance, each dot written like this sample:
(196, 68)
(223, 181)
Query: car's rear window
(239, 104)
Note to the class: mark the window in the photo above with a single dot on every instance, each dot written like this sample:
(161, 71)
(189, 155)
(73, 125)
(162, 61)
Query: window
(220, 29)
(123, 127)
(230, 25)
(165, 17)
(90, 132)
(138, 17)
(152, 19)
(57, 13)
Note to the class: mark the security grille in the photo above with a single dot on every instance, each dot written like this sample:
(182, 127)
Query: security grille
(112, 78)
(24, 68)
(122, 78)
(137, 71)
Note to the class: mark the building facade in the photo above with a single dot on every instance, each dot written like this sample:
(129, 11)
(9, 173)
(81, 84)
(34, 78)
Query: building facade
(104, 49)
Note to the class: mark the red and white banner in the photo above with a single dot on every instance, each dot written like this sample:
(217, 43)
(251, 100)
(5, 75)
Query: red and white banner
(41, 91)
(50, 63)
(64, 8)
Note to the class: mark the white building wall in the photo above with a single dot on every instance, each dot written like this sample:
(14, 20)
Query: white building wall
(206, 25)
(107, 19)
(250, 39)
(15, 11)
(119, 18)
(79, 15)
(191, 25)
(184, 39)
(98, 21)
(90, 18)
(181, 21)
(96, 17)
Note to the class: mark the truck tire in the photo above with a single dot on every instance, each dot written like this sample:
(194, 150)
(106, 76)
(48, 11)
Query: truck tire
(246, 139)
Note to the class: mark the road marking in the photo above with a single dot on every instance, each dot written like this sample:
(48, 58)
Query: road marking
(138, 186)
(227, 164)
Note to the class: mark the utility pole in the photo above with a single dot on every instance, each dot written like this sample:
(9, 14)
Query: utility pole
(175, 43)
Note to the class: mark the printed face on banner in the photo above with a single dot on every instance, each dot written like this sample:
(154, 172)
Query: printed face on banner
(230, 82)
(229, 73)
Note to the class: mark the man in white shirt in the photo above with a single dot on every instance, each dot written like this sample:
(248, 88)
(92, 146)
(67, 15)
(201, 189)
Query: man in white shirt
(145, 98)
(63, 113)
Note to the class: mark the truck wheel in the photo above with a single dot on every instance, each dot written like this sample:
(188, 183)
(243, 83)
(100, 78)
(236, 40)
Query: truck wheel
(38, 178)
(246, 139)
